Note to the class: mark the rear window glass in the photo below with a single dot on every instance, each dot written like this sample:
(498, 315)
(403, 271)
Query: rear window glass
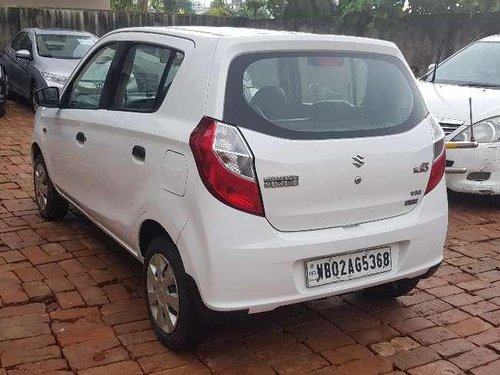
(327, 95)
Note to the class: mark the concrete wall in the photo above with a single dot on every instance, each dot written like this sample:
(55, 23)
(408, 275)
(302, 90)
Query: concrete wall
(418, 37)
(63, 4)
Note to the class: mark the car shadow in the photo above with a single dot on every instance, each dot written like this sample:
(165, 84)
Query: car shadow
(473, 200)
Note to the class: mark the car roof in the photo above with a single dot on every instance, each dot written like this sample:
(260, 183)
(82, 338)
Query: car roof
(491, 38)
(49, 31)
(196, 33)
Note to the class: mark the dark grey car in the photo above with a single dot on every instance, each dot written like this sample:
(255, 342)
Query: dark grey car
(3, 92)
(37, 58)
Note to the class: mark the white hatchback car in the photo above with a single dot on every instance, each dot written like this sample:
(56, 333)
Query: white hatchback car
(247, 169)
(472, 73)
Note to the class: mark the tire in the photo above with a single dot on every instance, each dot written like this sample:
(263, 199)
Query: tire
(8, 92)
(2, 110)
(393, 289)
(51, 204)
(168, 298)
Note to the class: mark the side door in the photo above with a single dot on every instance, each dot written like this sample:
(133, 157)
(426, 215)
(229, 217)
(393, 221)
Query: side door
(128, 146)
(17, 68)
(66, 126)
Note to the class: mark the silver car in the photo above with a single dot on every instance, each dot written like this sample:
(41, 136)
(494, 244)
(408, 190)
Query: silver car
(37, 58)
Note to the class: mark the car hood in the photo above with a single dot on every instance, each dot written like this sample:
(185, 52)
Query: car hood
(452, 102)
(63, 67)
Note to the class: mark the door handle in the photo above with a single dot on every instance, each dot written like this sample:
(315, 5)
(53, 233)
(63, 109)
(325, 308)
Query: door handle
(139, 152)
(80, 137)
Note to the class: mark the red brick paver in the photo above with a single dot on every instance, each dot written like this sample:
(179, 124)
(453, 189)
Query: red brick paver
(71, 302)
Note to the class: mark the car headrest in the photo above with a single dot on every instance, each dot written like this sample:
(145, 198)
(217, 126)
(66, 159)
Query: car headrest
(271, 100)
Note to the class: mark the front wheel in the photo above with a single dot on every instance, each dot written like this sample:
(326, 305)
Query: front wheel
(393, 289)
(51, 204)
(8, 91)
(170, 308)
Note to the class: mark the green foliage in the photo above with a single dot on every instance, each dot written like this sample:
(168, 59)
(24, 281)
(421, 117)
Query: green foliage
(370, 12)
(453, 6)
(167, 6)
(220, 8)
(254, 9)
(185, 6)
(276, 8)
(357, 12)
(123, 5)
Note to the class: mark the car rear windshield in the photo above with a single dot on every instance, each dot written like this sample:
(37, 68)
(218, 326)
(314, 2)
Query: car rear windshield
(61, 46)
(322, 95)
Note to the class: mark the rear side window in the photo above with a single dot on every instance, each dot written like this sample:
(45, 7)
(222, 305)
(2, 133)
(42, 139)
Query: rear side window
(145, 77)
(322, 95)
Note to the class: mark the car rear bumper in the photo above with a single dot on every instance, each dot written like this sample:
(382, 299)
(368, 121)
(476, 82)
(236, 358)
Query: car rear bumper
(483, 170)
(240, 262)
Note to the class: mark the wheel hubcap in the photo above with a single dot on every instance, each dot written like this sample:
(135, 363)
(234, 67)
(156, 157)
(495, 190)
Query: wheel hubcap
(163, 297)
(41, 186)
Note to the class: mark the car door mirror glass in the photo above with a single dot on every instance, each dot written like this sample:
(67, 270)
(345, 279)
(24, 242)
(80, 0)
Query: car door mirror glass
(23, 54)
(47, 97)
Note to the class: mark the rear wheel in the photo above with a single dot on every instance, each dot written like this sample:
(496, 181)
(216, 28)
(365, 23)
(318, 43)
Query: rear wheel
(50, 203)
(393, 289)
(2, 109)
(169, 303)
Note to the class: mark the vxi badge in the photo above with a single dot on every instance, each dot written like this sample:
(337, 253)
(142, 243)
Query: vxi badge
(422, 168)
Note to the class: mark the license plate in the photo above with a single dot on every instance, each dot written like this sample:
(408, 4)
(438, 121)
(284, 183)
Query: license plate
(348, 266)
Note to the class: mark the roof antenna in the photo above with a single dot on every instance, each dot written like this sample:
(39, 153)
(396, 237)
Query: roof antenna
(471, 122)
(438, 59)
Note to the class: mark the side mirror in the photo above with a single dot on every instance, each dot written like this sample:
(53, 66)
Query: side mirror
(431, 67)
(47, 97)
(23, 54)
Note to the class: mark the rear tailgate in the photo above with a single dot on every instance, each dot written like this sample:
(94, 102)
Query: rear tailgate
(328, 187)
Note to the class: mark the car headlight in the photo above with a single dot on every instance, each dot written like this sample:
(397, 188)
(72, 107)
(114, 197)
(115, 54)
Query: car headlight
(54, 78)
(484, 131)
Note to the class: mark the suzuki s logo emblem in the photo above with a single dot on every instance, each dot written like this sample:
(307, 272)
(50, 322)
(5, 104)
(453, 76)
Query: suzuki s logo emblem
(359, 160)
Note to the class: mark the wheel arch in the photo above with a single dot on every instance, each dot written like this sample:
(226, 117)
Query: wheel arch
(35, 151)
(149, 230)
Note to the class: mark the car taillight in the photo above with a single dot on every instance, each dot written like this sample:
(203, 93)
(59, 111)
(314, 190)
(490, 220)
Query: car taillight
(439, 160)
(226, 165)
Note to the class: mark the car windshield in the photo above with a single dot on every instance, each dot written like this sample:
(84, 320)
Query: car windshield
(477, 65)
(63, 46)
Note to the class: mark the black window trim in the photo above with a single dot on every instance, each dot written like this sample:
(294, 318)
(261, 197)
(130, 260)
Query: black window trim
(11, 45)
(27, 33)
(119, 66)
(236, 108)
(107, 83)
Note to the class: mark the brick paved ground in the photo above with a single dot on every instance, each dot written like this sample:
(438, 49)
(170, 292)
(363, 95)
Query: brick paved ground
(70, 302)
